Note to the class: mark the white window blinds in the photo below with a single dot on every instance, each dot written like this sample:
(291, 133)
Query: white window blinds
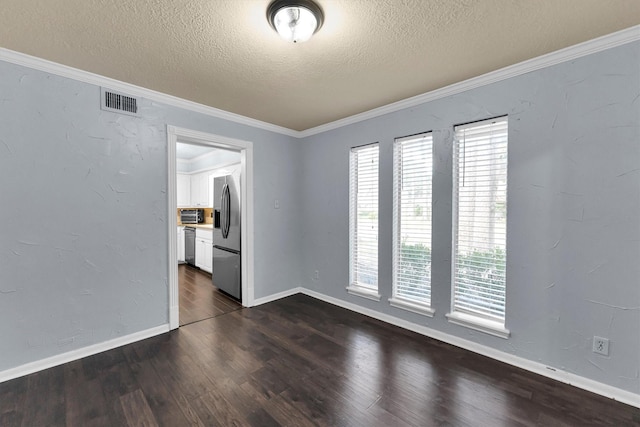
(480, 219)
(412, 172)
(363, 217)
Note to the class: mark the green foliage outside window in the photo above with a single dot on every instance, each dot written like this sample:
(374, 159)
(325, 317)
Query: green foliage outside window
(414, 271)
(485, 270)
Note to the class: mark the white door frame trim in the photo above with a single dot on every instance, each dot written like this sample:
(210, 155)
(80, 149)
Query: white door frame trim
(177, 134)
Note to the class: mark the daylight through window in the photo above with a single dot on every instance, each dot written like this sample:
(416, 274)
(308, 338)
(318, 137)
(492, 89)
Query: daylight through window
(412, 171)
(363, 219)
(480, 219)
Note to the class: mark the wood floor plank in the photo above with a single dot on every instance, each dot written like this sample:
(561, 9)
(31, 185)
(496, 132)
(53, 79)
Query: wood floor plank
(205, 413)
(115, 382)
(286, 414)
(13, 394)
(159, 398)
(137, 410)
(217, 405)
(261, 418)
(44, 404)
(242, 401)
(84, 399)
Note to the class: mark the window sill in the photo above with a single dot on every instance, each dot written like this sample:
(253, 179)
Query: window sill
(482, 325)
(411, 306)
(364, 293)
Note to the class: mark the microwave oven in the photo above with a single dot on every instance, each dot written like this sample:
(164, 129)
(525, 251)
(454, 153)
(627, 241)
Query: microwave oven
(191, 216)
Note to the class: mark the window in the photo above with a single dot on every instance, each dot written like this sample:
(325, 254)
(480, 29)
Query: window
(412, 171)
(480, 226)
(363, 221)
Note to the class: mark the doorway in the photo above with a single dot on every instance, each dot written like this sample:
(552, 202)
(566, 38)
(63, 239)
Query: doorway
(177, 135)
(198, 167)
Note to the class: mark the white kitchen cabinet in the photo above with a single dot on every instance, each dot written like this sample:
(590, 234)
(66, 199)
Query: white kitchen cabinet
(200, 190)
(180, 244)
(204, 249)
(183, 190)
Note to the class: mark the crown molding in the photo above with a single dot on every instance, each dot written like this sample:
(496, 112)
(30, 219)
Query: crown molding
(589, 47)
(133, 90)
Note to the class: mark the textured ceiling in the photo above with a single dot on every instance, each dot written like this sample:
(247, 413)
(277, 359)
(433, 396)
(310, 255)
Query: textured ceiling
(190, 151)
(369, 53)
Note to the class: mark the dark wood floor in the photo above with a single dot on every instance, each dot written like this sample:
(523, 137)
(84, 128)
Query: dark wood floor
(297, 362)
(199, 299)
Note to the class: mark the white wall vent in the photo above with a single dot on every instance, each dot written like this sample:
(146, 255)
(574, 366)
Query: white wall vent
(118, 102)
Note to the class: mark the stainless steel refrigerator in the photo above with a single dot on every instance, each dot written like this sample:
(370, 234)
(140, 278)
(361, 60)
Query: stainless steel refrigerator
(226, 234)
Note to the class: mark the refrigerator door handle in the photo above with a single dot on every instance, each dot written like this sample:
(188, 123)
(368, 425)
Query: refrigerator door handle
(226, 206)
(222, 211)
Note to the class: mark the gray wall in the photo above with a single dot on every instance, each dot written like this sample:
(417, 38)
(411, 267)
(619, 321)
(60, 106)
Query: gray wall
(83, 213)
(573, 211)
(83, 239)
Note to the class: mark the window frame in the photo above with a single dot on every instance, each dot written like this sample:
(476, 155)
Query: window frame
(397, 299)
(354, 287)
(492, 325)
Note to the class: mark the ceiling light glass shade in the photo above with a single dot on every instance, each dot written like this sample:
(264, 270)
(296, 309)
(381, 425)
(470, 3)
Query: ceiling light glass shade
(295, 20)
(295, 24)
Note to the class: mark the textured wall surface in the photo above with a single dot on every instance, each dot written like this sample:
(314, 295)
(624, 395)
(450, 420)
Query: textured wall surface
(83, 212)
(573, 211)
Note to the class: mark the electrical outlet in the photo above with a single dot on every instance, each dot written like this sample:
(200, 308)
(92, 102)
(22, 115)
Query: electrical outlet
(601, 345)
(316, 275)
(276, 204)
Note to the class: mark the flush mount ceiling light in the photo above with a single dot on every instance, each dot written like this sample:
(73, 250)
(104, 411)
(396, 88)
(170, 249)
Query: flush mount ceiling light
(295, 20)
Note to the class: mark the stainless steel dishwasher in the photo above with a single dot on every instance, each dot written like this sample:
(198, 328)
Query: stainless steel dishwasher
(190, 245)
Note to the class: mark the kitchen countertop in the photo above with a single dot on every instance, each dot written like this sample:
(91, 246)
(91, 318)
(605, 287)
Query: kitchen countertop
(204, 226)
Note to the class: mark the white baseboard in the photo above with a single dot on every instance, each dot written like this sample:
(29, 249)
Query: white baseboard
(274, 297)
(605, 390)
(59, 359)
